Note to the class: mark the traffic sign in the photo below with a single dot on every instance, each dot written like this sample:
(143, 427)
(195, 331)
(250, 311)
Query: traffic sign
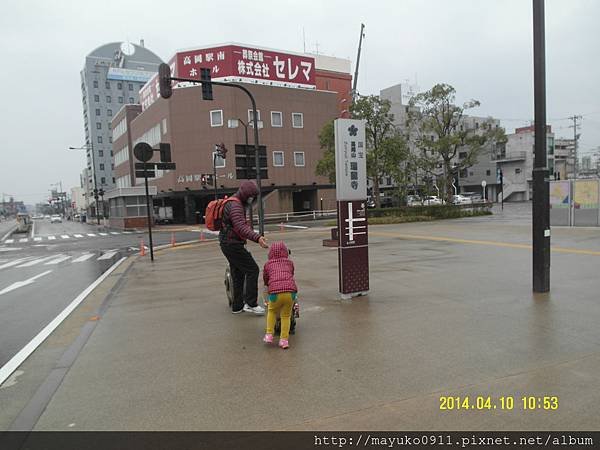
(149, 173)
(157, 165)
(166, 166)
(143, 151)
(483, 183)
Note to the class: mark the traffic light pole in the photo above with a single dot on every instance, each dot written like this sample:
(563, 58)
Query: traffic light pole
(148, 214)
(261, 224)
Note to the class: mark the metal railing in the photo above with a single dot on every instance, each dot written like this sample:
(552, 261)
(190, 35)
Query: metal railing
(299, 215)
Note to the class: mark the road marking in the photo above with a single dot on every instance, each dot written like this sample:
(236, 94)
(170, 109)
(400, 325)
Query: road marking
(9, 241)
(23, 354)
(51, 238)
(296, 226)
(91, 235)
(108, 255)
(114, 232)
(37, 239)
(35, 261)
(103, 234)
(58, 259)
(78, 235)
(83, 257)
(15, 262)
(23, 240)
(20, 284)
(65, 236)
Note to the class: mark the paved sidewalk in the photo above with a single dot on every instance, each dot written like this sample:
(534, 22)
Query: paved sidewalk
(450, 313)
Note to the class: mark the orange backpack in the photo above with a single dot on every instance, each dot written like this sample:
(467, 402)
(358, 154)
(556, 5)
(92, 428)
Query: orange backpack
(214, 213)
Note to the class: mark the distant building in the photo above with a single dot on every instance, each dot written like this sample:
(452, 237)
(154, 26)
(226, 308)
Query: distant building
(78, 203)
(112, 77)
(564, 159)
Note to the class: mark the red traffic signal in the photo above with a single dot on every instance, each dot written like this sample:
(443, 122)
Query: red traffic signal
(164, 80)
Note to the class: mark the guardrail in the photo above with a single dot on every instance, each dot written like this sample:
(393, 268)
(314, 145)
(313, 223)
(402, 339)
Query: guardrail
(298, 216)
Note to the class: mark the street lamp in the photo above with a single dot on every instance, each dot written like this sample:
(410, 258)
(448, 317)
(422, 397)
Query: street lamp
(90, 146)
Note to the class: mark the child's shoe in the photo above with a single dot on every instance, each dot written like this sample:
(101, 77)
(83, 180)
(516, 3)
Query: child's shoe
(268, 339)
(283, 343)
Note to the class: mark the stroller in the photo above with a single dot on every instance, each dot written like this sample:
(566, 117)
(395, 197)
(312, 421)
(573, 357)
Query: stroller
(229, 291)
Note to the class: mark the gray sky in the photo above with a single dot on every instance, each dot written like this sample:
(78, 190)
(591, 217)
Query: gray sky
(482, 48)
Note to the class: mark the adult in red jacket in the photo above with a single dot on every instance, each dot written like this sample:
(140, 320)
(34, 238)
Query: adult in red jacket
(233, 236)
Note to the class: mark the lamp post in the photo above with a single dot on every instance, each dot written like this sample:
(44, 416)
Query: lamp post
(90, 146)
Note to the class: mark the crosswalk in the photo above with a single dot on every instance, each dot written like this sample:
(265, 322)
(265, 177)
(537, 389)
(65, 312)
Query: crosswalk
(64, 237)
(56, 259)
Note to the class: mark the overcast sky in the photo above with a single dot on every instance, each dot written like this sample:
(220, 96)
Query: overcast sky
(482, 48)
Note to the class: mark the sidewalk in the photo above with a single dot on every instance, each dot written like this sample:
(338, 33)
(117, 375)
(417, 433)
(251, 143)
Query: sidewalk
(445, 317)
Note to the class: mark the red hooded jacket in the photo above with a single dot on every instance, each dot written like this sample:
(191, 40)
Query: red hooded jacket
(235, 228)
(278, 272)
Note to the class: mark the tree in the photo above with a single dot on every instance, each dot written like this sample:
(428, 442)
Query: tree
(326, 165)
(441, 133)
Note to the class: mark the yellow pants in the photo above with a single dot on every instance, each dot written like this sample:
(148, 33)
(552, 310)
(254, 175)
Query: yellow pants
(284, 304)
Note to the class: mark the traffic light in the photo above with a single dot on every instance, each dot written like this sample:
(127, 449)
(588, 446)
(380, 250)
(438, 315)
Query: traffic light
(165, 152)
(164, 80)
(207, 93)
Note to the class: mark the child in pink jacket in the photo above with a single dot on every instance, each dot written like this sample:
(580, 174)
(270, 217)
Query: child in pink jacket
(278, 275)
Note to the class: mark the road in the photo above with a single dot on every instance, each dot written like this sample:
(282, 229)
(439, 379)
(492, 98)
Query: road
(43, 271)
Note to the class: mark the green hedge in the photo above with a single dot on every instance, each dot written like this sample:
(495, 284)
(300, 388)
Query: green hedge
(435, 211)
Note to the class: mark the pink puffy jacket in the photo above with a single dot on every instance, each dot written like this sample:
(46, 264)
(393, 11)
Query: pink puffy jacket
(278, 272)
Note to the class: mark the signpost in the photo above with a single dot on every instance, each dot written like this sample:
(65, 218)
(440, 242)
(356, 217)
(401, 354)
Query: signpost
(144, 152)
(351, 193)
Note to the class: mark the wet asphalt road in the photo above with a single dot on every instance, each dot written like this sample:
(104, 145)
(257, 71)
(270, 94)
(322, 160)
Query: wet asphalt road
(42, 272)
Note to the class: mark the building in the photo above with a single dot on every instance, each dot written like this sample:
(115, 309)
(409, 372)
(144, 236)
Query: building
(78, 200)
(516, 162)
(564, 159)
(112, 77)
(296, 95)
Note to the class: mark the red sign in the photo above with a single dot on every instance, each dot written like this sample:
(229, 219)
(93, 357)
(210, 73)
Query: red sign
(240, 64)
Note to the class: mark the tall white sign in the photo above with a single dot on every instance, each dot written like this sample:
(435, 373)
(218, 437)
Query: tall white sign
(350, 159)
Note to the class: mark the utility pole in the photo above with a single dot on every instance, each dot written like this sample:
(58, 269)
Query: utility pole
(575, 137)
(541, 186)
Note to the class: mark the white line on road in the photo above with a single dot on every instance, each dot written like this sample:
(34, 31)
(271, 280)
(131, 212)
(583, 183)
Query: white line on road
(35, 261)
(24, 353)
(51, 238)
(83, 257)
(9, 241)
(114, 232)
(91, 235)
(57, 260)
(295, 226)
(65, 236)
(78, 235)
(37, 239)
(23, 240)
(20, 284)
(103, 234)
(15, 262)
(108, 255)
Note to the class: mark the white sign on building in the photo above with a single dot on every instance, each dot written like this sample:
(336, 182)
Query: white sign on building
(350, 159)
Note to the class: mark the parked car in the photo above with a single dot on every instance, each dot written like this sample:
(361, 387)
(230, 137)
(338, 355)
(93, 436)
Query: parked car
(461, 200)
(474, 196)
(56, 218)
(46, 216)
(432, 200)
(413, 200)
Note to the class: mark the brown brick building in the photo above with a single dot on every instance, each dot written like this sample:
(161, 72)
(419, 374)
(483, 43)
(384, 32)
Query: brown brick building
(289, 119)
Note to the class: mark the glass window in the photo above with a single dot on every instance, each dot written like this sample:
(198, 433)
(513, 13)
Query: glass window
(276, 119)
(102, 167)
(251, 115)
(95, 83)
(98, 126)
(130, 87)
(299, 159)
(297, 120)
(216, 118)
(120, 99)
(119, 85)
(113, 180)
(488, 172)
(107, 85)
(110, 139)
(100, 153)
(131, 100)
(219, 162)
(278, 160)
(108, 99)
(109, 112)
(103, 180)
(99, 138)
(96, 98)
(518, 170)
(97, 111)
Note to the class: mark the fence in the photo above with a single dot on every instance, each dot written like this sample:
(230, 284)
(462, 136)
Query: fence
(298, 216)
(575, 203)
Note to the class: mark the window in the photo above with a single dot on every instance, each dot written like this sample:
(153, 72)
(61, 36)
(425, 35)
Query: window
(278, 159)
(110, 139)
(99, 139)
(463, 173)
(131, 100)
(98, 126)
(164, 126)
(120, 129)
(477, 125)
(112, 166)
(120, 99)
(101, 153)
(109, 112)
(219, 162)
(103, 180)
(95, 83)
(96, 98)
(107, 85)
(216, 118)
(297, 120)
(470, 173)
(462, 155)
(299, 159)
(130, 87)
(276, 119)
(97, 111)
(388, 180)
(518, 170)
(113, 180)
(108, 99)
(251, 117)
(111, 153)
(101, 166)
(119, 85)
(488, 172)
